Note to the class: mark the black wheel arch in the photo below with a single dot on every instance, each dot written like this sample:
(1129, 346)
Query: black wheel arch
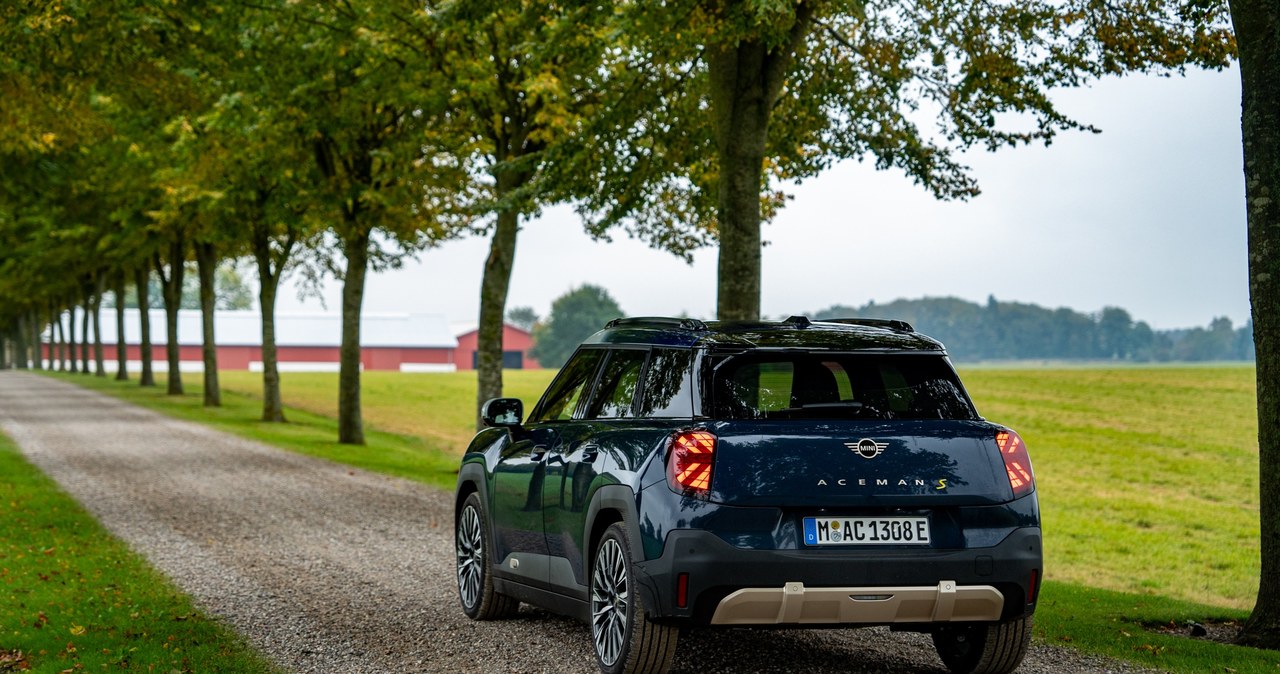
(616, 504)
(471, 480)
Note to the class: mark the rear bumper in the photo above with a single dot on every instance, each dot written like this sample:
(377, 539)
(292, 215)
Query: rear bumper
(794, 604)
(726, 585)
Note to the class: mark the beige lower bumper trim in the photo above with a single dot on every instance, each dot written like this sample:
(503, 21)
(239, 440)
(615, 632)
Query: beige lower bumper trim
(793, 603)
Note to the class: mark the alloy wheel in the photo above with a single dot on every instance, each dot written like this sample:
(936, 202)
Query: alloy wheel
(470, 543)
(610, 601)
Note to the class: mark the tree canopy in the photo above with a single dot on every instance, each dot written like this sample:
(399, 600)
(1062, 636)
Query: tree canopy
(574, 316)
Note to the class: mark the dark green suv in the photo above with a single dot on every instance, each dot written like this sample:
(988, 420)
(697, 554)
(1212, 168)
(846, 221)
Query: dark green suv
(798, 473)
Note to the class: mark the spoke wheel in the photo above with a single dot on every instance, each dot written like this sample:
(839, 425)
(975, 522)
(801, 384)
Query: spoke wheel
(610, 602)
(475, 586)
(624, 639)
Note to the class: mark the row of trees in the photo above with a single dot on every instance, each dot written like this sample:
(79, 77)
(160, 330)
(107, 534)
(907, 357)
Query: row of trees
(1012, 330)
(138, 134)
(141, 135)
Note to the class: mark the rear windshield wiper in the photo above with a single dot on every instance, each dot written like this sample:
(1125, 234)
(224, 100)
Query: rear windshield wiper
(843, 404)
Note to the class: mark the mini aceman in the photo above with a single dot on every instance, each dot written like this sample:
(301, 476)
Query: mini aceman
(791, 473)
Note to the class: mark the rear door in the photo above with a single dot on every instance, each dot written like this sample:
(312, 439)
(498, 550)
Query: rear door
(572, 465)
(520, 479)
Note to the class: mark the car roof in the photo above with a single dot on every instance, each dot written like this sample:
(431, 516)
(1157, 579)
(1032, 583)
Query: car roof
(796, 332)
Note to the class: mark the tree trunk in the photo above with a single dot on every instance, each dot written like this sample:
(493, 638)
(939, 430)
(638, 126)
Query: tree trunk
(269, 271)
(122, 353)
(1257, 24)
(99, 364)
(746, 79)
(73, 366)
(147, 377)
(206, 263)
(84, 333)
(4, 351)
(20, 345)
(37, 345)
(172, 287)
(55, 338)
(350, 424)
(55, 319)
(493, 303)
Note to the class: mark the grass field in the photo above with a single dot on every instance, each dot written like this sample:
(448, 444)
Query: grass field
(73, 598)
(438, 407)
(1147, 479)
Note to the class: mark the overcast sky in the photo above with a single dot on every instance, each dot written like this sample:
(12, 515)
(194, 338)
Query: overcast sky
(1148, 216)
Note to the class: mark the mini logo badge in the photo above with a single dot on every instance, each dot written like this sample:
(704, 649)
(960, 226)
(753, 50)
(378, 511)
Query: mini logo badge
(867, 448)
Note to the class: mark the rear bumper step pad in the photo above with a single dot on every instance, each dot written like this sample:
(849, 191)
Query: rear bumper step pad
(793, 603)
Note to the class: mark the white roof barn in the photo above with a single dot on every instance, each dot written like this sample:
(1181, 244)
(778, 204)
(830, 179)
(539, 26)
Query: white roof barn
(305, 342)
(244, 328)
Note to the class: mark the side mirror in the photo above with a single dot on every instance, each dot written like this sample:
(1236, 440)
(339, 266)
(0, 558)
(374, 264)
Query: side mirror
(502, 412)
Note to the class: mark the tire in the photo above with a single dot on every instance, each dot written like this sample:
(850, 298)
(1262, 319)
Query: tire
(985, 648)
(623, 638)
(475, 583)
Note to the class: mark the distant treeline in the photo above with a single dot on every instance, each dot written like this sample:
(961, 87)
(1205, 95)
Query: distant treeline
(1011, 330)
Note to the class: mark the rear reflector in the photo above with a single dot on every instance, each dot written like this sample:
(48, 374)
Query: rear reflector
(1017, 463)
(1031, 587)
(690, 462)
(682, 591)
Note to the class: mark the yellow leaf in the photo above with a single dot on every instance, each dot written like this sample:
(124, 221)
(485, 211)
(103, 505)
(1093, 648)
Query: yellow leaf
(78, 630)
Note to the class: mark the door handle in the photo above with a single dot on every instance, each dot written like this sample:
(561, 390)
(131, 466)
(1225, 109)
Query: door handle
(590, 452)
(538, 452)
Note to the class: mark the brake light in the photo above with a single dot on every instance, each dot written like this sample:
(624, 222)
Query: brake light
(689, 464)
(1017, 463)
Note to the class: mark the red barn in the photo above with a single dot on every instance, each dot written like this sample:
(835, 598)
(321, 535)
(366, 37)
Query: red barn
(516, 343)
(305, 342)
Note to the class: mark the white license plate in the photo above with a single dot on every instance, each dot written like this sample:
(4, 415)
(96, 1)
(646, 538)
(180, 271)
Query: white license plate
(866, 531)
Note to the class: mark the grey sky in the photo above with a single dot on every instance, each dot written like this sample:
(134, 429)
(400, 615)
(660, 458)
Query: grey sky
(1148, 216)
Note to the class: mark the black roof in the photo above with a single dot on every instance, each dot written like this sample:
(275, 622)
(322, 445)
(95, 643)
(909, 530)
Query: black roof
(798, 332)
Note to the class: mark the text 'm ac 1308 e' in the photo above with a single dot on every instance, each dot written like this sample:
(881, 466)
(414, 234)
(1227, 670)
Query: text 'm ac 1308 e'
(792, 473)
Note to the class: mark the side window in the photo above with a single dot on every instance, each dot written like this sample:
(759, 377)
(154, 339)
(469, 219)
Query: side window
(568, 388)
(617, 390)
(668, 384)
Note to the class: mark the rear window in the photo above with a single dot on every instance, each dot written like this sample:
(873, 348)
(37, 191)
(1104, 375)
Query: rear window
(838, 386)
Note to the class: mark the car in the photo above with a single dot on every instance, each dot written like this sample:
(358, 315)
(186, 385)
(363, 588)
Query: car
(794, 473)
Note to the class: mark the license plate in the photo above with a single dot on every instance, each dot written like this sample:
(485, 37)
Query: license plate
(866, 531)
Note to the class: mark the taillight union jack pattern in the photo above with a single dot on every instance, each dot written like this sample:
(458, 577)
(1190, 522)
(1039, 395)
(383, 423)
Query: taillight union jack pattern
(1016, 462)
(692, 457)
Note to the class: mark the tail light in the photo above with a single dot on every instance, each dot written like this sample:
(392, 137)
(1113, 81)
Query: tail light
(689, 465)
(1016, 462)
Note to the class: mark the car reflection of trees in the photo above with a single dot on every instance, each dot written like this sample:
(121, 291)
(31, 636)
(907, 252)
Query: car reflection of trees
(668, 384)
(769, 468)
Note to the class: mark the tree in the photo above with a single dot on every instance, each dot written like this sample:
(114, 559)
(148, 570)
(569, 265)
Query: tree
(522, 79)
(1115, 328)
(369, 127)
(852, 80)
(574, 316)
(523, 317)
(170, 269)
(141, 285)
(206, 266)
(1257, 24)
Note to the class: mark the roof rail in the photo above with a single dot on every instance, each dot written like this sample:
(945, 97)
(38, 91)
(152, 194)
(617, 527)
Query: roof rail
(892, 324)
(691, 324)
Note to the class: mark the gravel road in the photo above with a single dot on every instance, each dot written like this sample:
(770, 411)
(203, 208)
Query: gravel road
(331, 569)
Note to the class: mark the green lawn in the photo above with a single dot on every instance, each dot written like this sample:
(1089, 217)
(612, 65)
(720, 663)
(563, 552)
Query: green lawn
(1147, 479)
(73, 598)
